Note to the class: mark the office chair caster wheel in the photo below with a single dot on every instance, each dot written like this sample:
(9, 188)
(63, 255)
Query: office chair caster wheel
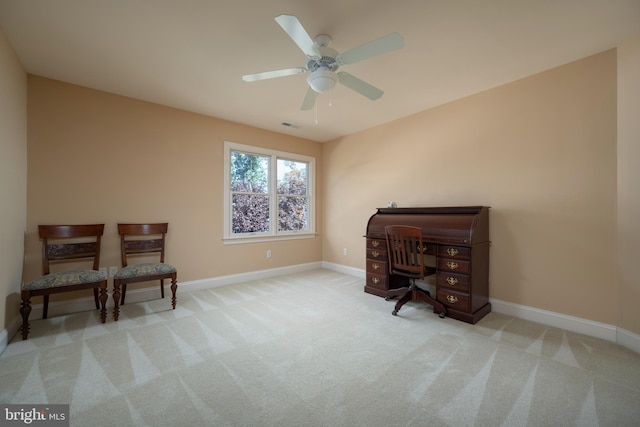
(387, 298)
(442, 315)
(394, 312)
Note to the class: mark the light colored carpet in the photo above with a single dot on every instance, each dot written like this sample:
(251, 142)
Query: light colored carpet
(312, 349)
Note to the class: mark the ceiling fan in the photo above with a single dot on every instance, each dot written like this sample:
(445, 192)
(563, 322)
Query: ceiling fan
(322, 62)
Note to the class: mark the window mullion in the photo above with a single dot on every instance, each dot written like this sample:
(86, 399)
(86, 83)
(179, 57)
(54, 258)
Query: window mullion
(273, 194)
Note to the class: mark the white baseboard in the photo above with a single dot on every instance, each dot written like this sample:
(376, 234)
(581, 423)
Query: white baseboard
(575, 324)
(628, 339)
(339, 268)
(215, 282)
(558, 320)
(603, 331)
(8, 333)
(4, 339)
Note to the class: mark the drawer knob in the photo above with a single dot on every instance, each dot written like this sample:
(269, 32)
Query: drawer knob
(452, 281)
(452, 265)
(375, 266)
(375, 280)
(452, 299)
(375, 243)
(375, 254)
(452, 251)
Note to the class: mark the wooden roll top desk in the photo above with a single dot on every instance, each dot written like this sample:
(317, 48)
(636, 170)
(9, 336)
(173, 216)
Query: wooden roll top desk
(458, 238)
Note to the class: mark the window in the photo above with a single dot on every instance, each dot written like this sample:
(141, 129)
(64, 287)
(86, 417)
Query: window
(268, 194)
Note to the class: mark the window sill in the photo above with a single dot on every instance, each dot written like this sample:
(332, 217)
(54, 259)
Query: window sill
(259, 239)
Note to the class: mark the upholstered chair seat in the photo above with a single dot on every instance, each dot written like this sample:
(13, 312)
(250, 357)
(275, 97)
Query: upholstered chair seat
(64, 278)
(147, 269)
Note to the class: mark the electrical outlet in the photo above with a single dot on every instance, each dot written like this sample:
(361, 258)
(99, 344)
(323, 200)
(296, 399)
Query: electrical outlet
(345, 252)
(268, 253)
(113, 270)
(103, 270)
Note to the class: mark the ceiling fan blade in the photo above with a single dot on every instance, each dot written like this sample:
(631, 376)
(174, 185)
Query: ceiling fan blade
(360, 86)
(384, 44)
(309, 100)
(272, 74)
(298, 34)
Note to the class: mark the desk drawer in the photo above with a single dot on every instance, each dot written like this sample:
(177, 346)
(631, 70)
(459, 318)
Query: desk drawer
(377, 244)
(457, 282)
(429, 249)
(377, 280)
(454, 265)
(377, 267)
(455, 252)
(456, 300)
(378, 254)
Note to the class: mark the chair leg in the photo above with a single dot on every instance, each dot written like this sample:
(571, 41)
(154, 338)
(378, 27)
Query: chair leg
(45, 307)
(162, 288)
(408, 296)
(174, 287)
(417, 294)
(402, 301)
(124, 291)
(392, 293)
(25, 310)
(116, 298)
(95, 297)
(424, 296)
(103, 302)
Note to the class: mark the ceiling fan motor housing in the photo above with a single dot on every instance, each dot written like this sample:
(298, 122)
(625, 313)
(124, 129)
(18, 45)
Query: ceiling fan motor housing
(327, 59)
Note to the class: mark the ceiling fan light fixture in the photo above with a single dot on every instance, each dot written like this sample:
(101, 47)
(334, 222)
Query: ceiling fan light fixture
(322, 80)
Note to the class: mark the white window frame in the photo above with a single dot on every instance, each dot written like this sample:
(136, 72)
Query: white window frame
(273, 234)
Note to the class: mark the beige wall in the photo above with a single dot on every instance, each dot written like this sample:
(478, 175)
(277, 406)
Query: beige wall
(629, 182)
(540, 151)
(13, 180)
(99, 157)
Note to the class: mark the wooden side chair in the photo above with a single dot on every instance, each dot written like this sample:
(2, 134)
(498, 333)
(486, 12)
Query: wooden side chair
(61, 244)
(406, 258)
(140, 240)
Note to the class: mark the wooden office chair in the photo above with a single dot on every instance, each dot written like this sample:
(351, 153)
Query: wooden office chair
(406, 258)
(139, 240)
(61, 243)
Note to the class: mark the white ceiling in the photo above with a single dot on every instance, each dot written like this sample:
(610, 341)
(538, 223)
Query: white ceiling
(191, 54)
